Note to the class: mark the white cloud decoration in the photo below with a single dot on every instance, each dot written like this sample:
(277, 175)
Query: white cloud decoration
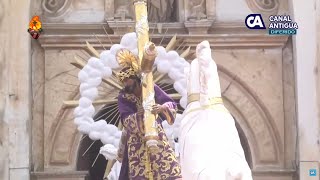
(91, 77)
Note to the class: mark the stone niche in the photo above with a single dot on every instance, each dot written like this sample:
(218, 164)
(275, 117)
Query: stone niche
(256, 73)
(199, 15)
(120, 14)
(196, 15)
(253, 91)
(159, 11)
(68, 11)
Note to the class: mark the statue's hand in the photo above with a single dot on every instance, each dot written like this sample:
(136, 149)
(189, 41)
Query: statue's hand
(157, 108)
(150, 50)
(109, 151)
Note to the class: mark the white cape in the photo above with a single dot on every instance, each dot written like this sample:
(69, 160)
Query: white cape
(210, 147)
(209, 143)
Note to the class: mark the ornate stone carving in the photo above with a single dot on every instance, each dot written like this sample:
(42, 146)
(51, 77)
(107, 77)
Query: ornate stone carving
(264, 6)
(55, 7)
(199, 15)
(123, 13)
(197, 10)
(158, 10)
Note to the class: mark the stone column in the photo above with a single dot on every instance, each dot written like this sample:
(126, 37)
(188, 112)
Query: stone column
(305, 53)
(317, 70)
(211, 9)
(15, 90)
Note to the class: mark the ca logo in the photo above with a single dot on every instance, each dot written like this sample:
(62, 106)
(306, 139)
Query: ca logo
(255, 21)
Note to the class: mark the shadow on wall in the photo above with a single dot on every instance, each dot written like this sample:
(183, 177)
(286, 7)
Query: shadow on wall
(244, 144)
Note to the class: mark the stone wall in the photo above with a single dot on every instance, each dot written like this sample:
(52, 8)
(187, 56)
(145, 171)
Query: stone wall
(306, 59)
(256, 71)
(15, 90)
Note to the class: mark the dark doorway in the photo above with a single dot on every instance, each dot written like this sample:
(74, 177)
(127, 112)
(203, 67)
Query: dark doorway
(245, 144)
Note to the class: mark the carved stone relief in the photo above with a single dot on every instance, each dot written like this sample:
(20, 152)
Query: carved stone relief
(160, 10)
(199, 15)
(264, 6)
(55, 7)
(197, 10)
(123, 10)
(200, 9)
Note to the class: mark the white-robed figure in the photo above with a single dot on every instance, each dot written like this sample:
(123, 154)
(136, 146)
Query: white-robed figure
(209, 143)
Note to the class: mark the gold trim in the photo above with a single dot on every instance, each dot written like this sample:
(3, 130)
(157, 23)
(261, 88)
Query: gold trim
(126, 58)
(126, 74)
(193, 97)
(220, 108)
(213, 102)
(74, 103)
(196, 97)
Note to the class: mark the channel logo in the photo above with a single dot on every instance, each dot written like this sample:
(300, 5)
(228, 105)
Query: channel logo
(312, 172)
(278, 24)
(255, 21)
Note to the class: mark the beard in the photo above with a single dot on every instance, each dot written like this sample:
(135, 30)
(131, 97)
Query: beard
(130, 89)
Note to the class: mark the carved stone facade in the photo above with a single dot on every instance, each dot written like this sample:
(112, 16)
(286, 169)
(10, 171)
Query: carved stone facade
(256, 70)
(55, 8)
(269, 7)
(250, 67)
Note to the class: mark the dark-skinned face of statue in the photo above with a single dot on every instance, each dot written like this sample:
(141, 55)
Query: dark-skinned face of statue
(130, 85)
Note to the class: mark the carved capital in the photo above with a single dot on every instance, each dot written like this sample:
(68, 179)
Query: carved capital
(55, 7)
(198, 27)
(267, 7)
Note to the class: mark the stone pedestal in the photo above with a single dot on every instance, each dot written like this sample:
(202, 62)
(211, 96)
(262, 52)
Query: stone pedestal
(122, 27)
(198, 26)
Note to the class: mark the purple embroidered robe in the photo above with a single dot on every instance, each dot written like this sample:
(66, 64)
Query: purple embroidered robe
(132, 150)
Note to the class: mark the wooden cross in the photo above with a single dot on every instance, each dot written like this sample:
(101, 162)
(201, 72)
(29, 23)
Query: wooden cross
(146, 54)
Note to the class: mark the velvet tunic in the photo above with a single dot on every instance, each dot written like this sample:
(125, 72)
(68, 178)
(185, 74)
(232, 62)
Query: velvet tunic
(136, 163)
